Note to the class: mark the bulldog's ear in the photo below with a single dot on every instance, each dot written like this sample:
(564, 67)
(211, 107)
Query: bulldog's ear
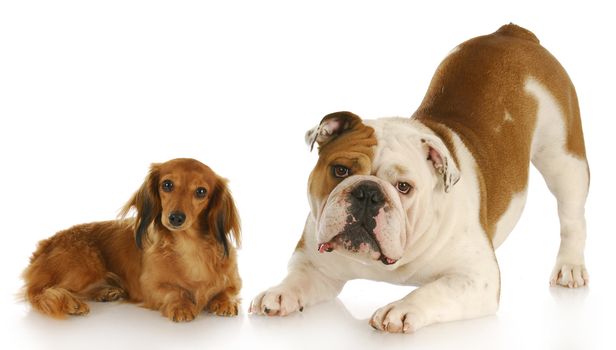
(331, 126)
(442, 161)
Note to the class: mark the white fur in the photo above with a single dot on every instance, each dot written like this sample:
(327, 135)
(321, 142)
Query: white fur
(440, 241)
(506, 119)
(567, 178)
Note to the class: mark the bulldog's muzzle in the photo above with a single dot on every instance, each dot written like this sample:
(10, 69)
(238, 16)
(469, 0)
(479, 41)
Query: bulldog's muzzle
(365, 202)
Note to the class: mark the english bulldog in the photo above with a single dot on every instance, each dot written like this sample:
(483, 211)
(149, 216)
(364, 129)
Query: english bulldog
(425, 201)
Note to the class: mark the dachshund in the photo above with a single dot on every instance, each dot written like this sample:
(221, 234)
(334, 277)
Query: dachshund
(176, 255)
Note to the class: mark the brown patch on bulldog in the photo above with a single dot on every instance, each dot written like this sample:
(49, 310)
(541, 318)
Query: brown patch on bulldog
(300, 244)
(478, 92)
(352, 146)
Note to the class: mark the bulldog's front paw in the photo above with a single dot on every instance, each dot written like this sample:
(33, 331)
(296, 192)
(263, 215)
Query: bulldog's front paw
(276, 301)
(569, 275)
(397, 317)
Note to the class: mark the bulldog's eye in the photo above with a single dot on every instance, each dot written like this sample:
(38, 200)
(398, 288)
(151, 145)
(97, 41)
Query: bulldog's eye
(167, 185)
(200, 192)
(403, 187)
(341, 171)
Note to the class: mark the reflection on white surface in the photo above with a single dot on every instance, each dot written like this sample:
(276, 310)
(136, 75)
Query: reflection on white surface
(557, 319)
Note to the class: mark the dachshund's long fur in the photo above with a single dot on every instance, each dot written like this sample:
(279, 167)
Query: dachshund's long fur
(179, 266)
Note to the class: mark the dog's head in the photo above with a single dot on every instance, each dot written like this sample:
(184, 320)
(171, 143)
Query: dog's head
(376, 185)
(185, 194)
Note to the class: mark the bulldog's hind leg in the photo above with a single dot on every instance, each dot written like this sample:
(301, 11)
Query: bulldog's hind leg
(567, 178)
(304, 285)
(559, 155)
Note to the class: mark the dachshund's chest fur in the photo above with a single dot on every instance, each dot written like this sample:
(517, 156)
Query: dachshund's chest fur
(188, 257)
(188, 262)
(196, 259)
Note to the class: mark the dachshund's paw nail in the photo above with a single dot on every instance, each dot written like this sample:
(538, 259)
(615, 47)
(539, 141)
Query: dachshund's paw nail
(78, 308)
(224, 307)
(180, 313)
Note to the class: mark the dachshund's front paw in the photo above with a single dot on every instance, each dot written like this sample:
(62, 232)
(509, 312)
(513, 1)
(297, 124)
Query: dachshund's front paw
(180, 311)
(76, 307)
(224, 307)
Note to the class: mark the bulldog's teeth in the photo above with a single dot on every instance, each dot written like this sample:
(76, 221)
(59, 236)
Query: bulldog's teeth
(325, 247)
(388, 261)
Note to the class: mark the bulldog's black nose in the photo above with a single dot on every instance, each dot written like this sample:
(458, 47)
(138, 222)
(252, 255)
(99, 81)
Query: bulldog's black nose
(368, 191)
(177, 218)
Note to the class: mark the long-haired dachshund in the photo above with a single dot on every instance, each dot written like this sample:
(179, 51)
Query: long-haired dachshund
(177, 255)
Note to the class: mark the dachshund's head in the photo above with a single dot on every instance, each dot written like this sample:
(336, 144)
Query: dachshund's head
(185, 194)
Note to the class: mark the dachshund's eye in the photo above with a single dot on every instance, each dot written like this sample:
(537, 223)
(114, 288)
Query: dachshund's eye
(340, 171)
(200, 192)
(403, 187)
(167, 185)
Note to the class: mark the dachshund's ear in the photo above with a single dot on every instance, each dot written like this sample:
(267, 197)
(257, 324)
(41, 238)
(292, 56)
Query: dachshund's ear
(221, 217)
(146, 202)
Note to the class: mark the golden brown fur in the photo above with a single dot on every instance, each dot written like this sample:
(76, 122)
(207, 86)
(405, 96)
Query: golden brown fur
(179, 270)
(352, 148)
(477, 91)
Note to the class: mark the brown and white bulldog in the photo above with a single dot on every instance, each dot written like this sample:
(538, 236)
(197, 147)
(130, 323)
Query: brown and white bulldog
(425, 201)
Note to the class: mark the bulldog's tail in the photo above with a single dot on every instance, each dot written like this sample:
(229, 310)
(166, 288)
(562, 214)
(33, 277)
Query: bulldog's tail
(517, 32)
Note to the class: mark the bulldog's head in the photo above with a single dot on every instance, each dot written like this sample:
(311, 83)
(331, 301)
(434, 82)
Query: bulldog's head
(376, 185)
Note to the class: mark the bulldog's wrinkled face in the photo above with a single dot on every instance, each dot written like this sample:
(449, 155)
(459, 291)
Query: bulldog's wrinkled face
(372, 186)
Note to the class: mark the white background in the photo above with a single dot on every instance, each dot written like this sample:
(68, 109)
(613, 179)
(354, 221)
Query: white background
(92, 92)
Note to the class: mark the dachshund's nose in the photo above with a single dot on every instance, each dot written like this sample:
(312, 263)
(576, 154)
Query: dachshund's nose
(177, 218)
